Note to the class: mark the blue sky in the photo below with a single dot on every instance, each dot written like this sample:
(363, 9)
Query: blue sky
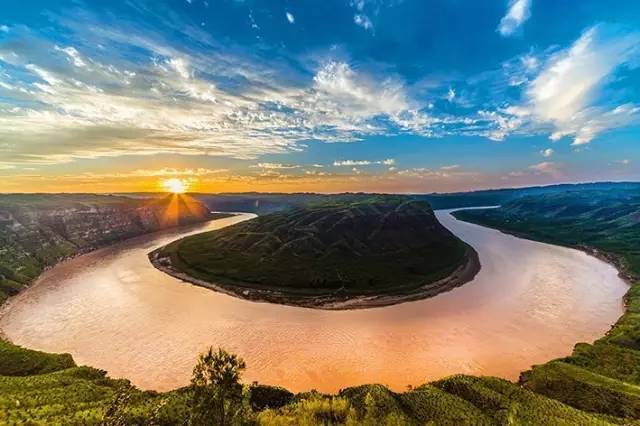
(398, 96)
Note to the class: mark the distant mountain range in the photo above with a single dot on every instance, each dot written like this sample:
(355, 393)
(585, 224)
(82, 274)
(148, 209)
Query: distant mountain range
(262, 203)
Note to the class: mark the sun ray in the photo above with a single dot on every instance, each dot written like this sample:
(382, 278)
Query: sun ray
(175, 185)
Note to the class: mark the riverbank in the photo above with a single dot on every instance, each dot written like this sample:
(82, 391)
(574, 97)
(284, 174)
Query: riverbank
(604, 376)
(461, 275)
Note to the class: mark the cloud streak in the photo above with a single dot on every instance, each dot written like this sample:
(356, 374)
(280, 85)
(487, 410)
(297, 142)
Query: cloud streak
(567, 90)
(517, 14)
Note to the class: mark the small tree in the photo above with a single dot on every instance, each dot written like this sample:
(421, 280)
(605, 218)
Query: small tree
(217, 391)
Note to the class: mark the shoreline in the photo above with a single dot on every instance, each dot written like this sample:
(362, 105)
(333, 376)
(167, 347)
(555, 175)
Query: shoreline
(460, 276)
(6, 304)
(607, 257)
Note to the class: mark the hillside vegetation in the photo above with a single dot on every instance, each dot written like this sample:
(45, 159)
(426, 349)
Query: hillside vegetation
(603, 377)
(263, 203)
(38, 230)
(366, 246)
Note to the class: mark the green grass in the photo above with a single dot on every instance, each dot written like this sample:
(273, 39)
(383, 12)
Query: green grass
(376, 245)
(18, 361)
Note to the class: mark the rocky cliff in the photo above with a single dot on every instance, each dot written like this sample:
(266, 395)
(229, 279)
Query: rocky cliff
(37, 230)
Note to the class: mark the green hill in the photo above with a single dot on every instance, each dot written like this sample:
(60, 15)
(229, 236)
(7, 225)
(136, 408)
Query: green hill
(602, 377)
(382, 248)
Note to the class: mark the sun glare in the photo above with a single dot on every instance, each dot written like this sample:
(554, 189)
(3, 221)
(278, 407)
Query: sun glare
(177, 186)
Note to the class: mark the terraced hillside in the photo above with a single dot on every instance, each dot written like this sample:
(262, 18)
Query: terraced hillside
(325, 253)
(38, 230)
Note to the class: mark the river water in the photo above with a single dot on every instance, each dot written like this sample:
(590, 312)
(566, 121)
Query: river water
(113, 310)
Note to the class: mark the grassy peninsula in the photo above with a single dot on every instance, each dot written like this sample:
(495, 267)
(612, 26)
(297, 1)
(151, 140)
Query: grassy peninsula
(343, 253)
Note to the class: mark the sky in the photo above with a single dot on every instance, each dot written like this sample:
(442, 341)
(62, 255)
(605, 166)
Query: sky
(325, 96)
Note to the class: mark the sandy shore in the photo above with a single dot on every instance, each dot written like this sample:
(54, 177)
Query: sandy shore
(463, 274)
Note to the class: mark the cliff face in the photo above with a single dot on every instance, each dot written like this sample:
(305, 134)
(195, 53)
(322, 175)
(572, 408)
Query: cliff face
(37, 231)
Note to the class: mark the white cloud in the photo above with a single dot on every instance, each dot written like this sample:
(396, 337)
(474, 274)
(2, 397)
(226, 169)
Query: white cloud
(350, 163)
(290, 18)
(181, 66)
(625, 162)
(73, 56)
(500, 123)
(276, 166)
(363, 21)
(451, 94)
(4, 28)
(519, 11)
(141, 108)
(450, 167)
(359, 94)
(546, 152)
(566, 91)
(547, 168)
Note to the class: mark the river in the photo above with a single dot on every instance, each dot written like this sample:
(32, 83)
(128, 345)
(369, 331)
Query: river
(113, 310)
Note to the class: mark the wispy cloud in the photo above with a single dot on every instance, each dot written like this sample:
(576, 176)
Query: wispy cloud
(548, 168)
(351, 163)
(571, 92)
(450, 167)
(363, 21)
(169, 102)
(546, 152)
(290, 17)
(517, 13)
(567, 90)
(276, 166)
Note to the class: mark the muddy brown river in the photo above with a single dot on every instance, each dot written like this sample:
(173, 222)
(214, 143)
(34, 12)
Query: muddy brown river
(113, 310)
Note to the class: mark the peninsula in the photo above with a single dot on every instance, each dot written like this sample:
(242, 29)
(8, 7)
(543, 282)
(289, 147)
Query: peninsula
(343, 253)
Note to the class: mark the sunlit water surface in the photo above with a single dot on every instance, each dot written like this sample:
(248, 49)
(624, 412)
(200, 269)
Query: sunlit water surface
(111, 309)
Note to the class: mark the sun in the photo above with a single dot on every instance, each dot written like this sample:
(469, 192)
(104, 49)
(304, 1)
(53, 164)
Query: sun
(177, 186)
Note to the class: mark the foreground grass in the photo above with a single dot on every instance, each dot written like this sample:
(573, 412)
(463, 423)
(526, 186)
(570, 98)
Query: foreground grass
(50, 389)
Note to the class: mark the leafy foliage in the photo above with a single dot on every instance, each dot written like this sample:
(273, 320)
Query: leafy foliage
(217, 392)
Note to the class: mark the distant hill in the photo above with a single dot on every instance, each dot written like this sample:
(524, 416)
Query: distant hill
(382, 248)
(606, 219)
(262, 203)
